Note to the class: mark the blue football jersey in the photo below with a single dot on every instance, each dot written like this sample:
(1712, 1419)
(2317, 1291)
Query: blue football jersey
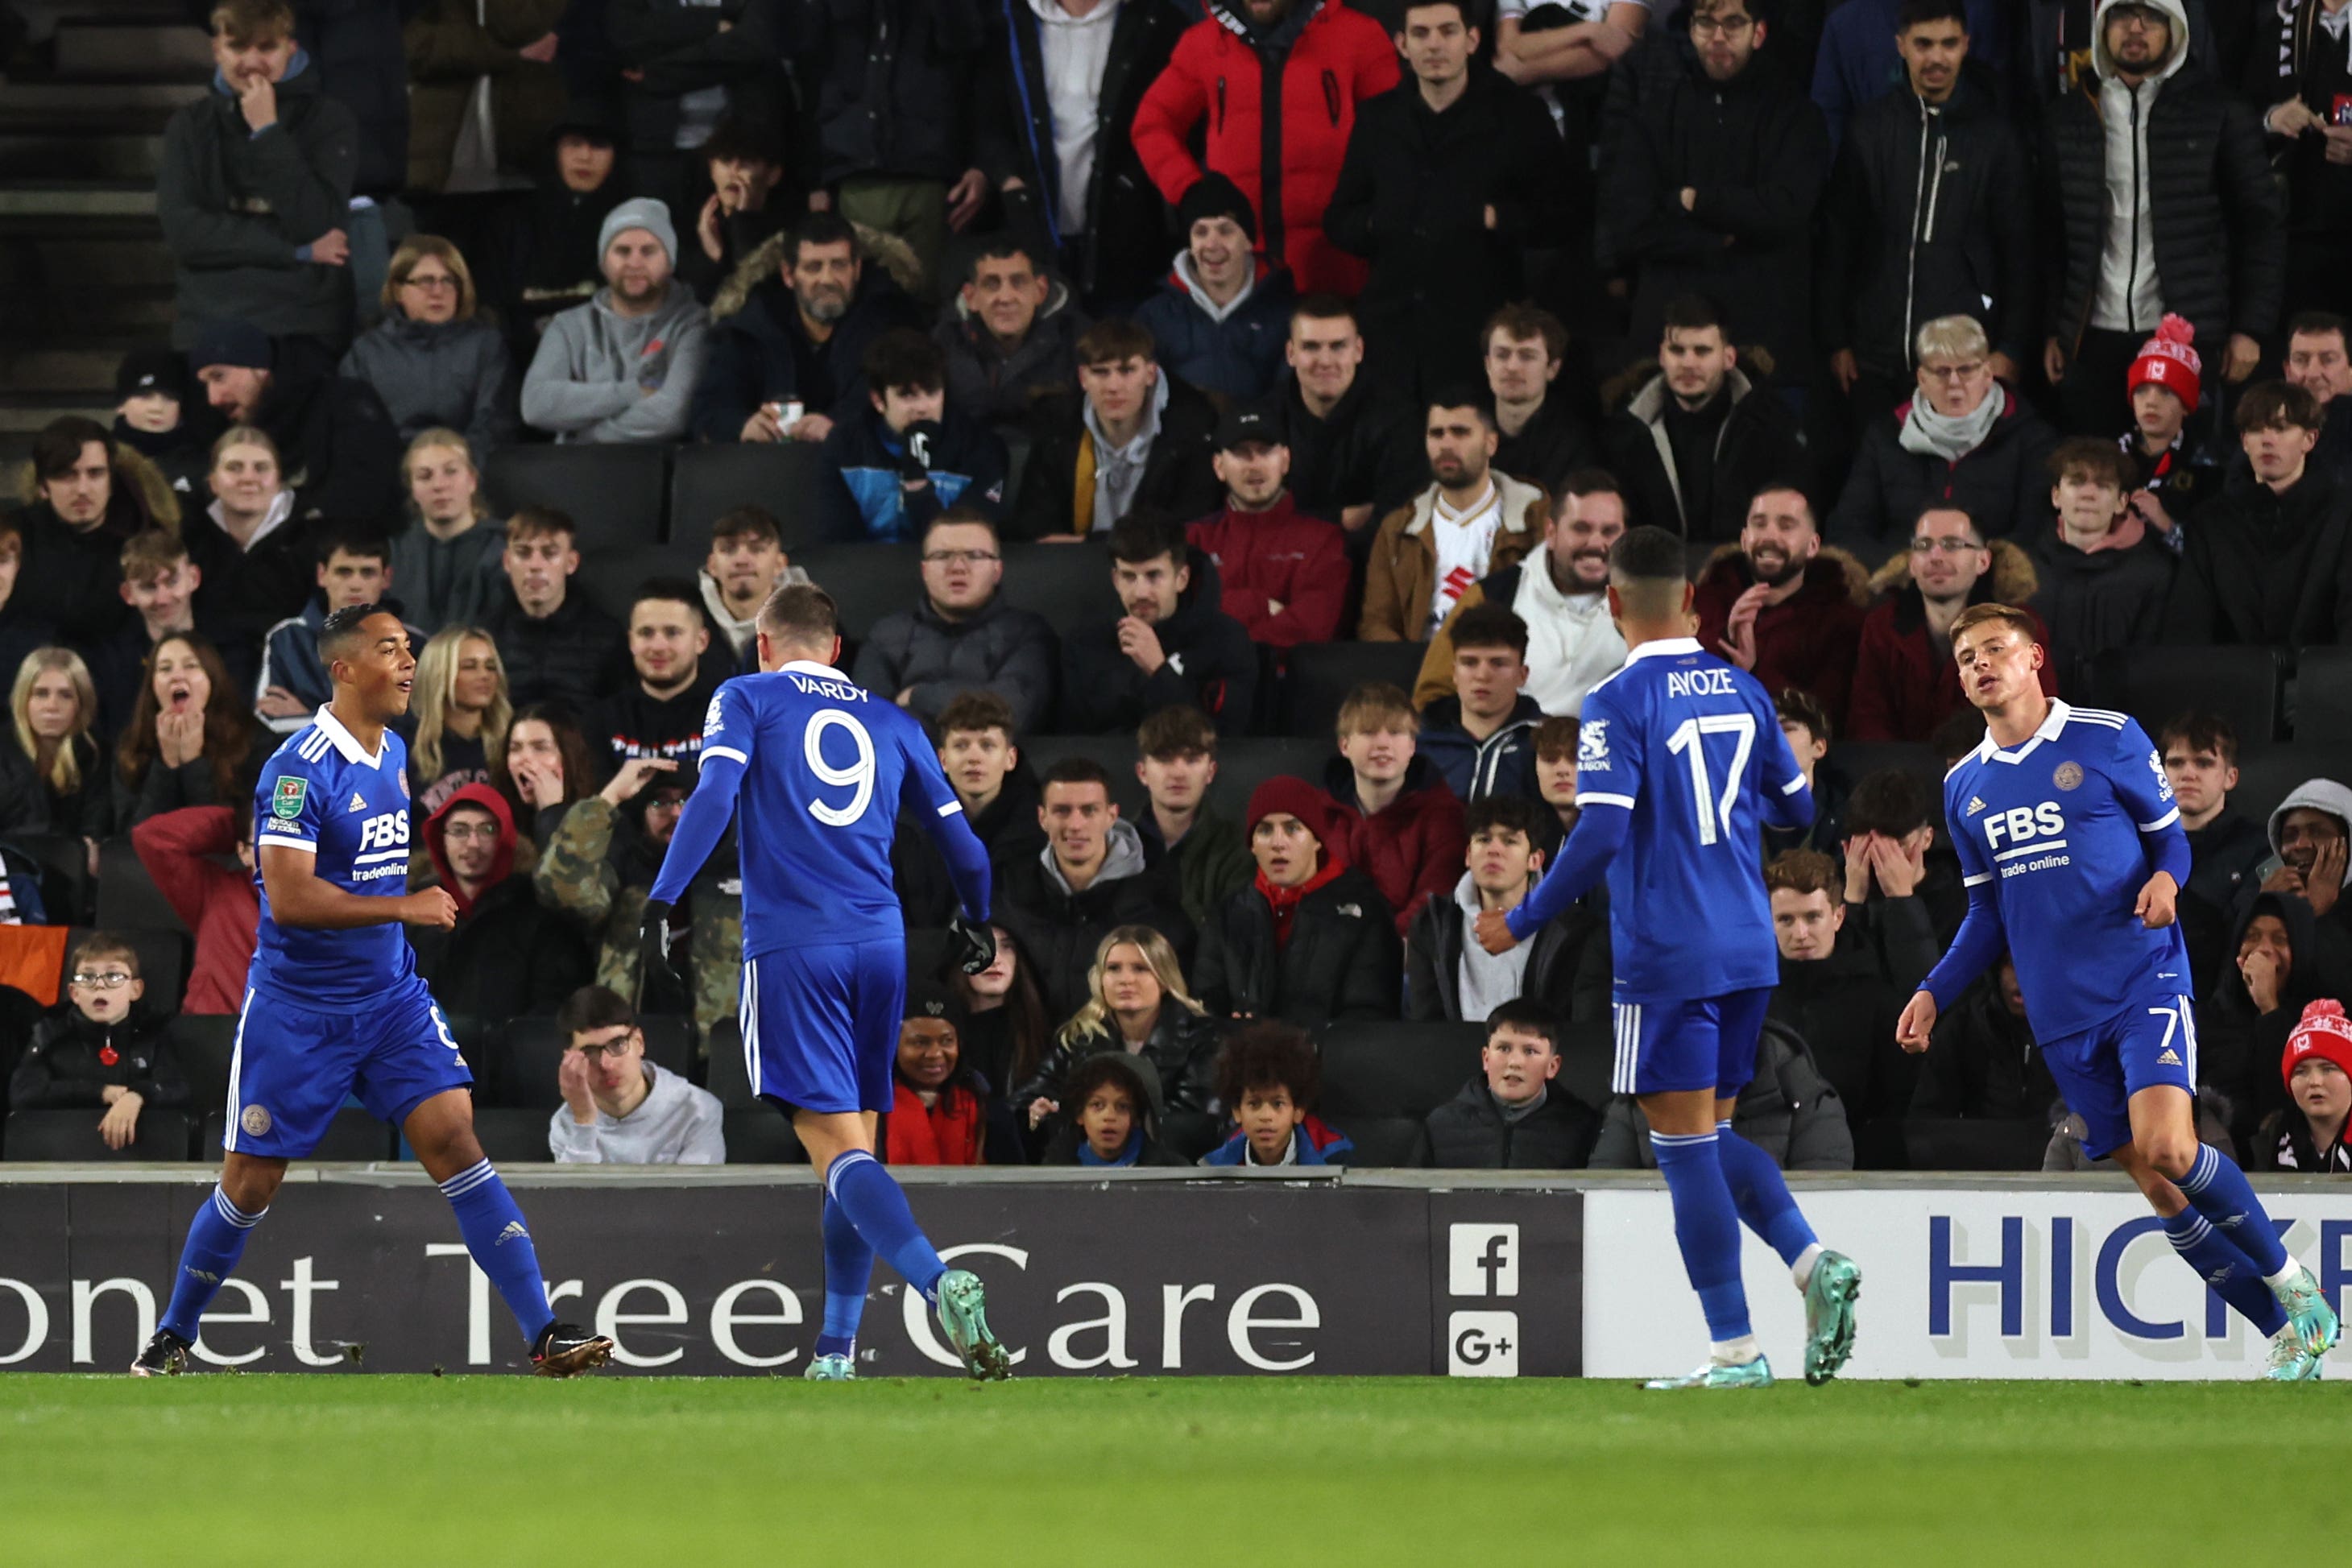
(320, 792)
(826, 764)
(2062, 830)
(1692, 748)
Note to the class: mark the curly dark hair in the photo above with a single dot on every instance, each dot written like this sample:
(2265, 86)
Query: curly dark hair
(1267, 1055)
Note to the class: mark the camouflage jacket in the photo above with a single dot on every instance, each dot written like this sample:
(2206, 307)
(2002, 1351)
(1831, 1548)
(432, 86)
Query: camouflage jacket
(576, 877)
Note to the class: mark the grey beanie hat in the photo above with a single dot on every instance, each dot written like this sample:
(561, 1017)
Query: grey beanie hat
(642, 212)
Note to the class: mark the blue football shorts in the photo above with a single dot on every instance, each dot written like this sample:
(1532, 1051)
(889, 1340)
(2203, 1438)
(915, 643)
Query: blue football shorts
(1684, 1043)
(294, 1067)
(821, 1024)
(2149, 1042)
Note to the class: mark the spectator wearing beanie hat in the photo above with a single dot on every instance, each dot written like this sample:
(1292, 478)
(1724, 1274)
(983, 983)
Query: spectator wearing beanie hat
(623, 367)
(157, 415)
(2312, 1135)
(2169, 478)
(1222, 315)
(1311, 938)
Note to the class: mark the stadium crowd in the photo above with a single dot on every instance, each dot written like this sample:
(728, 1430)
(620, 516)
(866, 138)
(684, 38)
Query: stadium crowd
(1338, 341)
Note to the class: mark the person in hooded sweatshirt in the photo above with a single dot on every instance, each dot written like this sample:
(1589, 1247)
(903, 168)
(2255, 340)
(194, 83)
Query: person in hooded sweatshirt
(100, 1050)
(623, 367)
(2243, 1020)
(505, 956)
(2309, 834)
(254, 190)
(1562, 968)
(618, 1108)
(1114, 1123)
(1223, 316)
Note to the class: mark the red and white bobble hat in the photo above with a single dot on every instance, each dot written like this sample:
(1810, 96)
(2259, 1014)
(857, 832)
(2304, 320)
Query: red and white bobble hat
(2167, 360)
(2322, 1031)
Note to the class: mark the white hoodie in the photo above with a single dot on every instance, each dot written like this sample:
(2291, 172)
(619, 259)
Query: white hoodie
(2129, 297)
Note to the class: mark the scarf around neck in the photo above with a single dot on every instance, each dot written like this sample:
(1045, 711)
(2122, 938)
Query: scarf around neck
(1933, 434)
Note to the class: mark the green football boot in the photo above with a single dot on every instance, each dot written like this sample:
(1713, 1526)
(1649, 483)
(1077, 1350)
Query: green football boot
(2291, 1359)
(1747, 1375)
(830, 1369)
(963, 1313)
(2308, 1314)
(1829, 1315)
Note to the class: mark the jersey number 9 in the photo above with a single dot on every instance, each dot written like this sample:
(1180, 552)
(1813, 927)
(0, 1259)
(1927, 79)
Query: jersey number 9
(857, 778)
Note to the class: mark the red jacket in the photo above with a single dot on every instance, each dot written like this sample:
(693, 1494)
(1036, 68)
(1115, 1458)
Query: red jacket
(1213, 85)
(1279, 555)
(217, 903)
(1415, 849)
(947, 1133)
(1903, 686)
(1810, 641)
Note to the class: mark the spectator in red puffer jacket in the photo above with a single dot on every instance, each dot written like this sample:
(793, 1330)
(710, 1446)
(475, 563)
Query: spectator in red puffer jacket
(1283, 575)
(1331, 60)
(1398, 822)
(1781, 605)
(1905, 683)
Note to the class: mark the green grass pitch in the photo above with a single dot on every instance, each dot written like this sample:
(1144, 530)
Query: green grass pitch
(1125, 1472)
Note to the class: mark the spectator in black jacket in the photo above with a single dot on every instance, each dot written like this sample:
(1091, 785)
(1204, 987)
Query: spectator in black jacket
(257, 557)
(504, 958)
(1313, 940)
(545, 258)
(1838, 998)
(909, 453)
(91, 498)
(1353, 456)
(158, 416)
(2319, 360)
(255, 188)
(2300, 74)
(1095, 873)
(1011, 337)
(1449, 176)
(2171, 475)
(790, 330)
(1174, 645)
(1146, 439)
(53, 777)
(1712, 165)
(2225, 848)
(2104, 580)
(1513, 1116)
(556, 646)
(1904, 898)
(1448, 976)
(362, 64)
(1787, 1110)
(1056, 144)
(100, 1048)
(190, 739)
(892, 82)
(1136, 1005)
(2270, 971)
(685, 65)
(2315, 1134)
(1700, 438)
(754, 196)
(2270, 559)
(1928, 213)
(1962, 436)
(660, 711)
(980, 751)
(1983, 1061)
(962, 637)
(160, 583)
(335, 436)
(2206, 231)
(1543, 439)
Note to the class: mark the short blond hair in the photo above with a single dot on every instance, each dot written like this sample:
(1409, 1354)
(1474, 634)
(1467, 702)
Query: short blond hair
(253, 21)
(1977, 615)
(1377, 705)
(1959, 336)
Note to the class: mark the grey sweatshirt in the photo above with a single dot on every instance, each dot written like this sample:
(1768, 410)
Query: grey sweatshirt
(675, 1124)
(602, 377)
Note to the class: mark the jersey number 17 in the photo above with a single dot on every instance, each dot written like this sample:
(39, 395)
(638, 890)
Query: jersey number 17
(1713, 805)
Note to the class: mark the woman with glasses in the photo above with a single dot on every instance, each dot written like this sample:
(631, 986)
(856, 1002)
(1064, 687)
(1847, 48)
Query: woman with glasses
(1963, 437)
(432, 360)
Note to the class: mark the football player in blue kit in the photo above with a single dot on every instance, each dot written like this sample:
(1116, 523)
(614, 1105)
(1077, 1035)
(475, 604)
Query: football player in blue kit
(1681, 765)
(2073, 856)
(813, 765)
(334, 1005)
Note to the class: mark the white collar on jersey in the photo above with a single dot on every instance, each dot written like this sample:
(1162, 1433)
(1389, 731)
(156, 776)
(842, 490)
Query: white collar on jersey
(1665, 648)
(811, 667)
(2056, 721)
(346, 743)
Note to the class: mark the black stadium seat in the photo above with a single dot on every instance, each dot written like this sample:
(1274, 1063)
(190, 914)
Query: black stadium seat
(1243, 764)
(1116, 753)
(1323, 673)
(68, 893)
(1859, 758)
(534, 1054)
(163, 962)
(613, 494)
(610, 577)
(1373, 1071)
(205, 1044)
(2323, 695)
(1069, 585)
(1588, 1055)
(784, 479)
(669, 1042)
(728, 1077)
(510, 1136)
(2153, 684)
(867, 581)
(760, 1136)
(73, 1135)
(1991, 1145)
(126, 896)
(2267, 775)
(1386, 1143)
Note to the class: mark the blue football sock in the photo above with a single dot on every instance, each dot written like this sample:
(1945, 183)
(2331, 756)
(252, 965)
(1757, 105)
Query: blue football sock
(2224, 1194)
(500, 1244)
(216, 1242)
(1761, 1195)
(848, 1273)
(2228, 1272)
(876, 1206)
(1707, 1228)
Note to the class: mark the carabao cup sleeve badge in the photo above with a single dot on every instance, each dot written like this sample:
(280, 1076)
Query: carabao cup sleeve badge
(286, 803)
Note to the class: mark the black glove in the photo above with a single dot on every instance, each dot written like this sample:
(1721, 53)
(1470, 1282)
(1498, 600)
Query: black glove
(972, 944)
(922, 445)
(654, 933)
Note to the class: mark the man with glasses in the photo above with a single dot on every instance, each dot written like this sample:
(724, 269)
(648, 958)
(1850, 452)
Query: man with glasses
(504, 958)
(1905, 683)
(1708, 183)
(618, 1108)
(962, 637)
(2168, 205)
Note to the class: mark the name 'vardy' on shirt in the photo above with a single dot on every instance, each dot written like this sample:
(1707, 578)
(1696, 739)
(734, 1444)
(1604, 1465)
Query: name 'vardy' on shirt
(836, 691)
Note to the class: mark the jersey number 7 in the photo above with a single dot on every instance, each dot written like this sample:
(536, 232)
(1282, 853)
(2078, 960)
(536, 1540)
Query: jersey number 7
(857, 778)
(1714, 806)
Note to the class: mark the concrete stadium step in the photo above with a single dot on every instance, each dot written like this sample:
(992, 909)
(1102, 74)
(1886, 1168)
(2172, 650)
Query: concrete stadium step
(84, 369)
(71, 310)
(119, 104)
(49, 201)
(91, 255)
(134, 48)
(79, 155)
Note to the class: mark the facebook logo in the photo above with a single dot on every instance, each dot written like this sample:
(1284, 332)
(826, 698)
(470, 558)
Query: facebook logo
(1482, 1259)
(1482, 1344)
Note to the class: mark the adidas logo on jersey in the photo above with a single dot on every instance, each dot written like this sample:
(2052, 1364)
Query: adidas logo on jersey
(2167, 1057)
(1976, 804)
(358, 803)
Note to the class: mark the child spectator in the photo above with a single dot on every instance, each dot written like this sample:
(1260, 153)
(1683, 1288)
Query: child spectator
(160, 582)
(1511, 1115)
(548, 767)
(1176, 761)
(1115, 1122)
(1269, 1077)
(745, 162)
(155, 416)
(462, 715)
(100, 1048)
(2316, 1134)
(2225, 848)
(446, 560)
(354, 568)
(184, 853)
(907, 456)
(189, 742)
(1136, 1005)
(2170, 476)
(1005, 1032)
(1401, 823)
(938, 1107)
(1805, 725)
(434, 361)
(618, 1108)
(1564, 966)
(52, 776)
(1482, 738)
(2104, 582)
